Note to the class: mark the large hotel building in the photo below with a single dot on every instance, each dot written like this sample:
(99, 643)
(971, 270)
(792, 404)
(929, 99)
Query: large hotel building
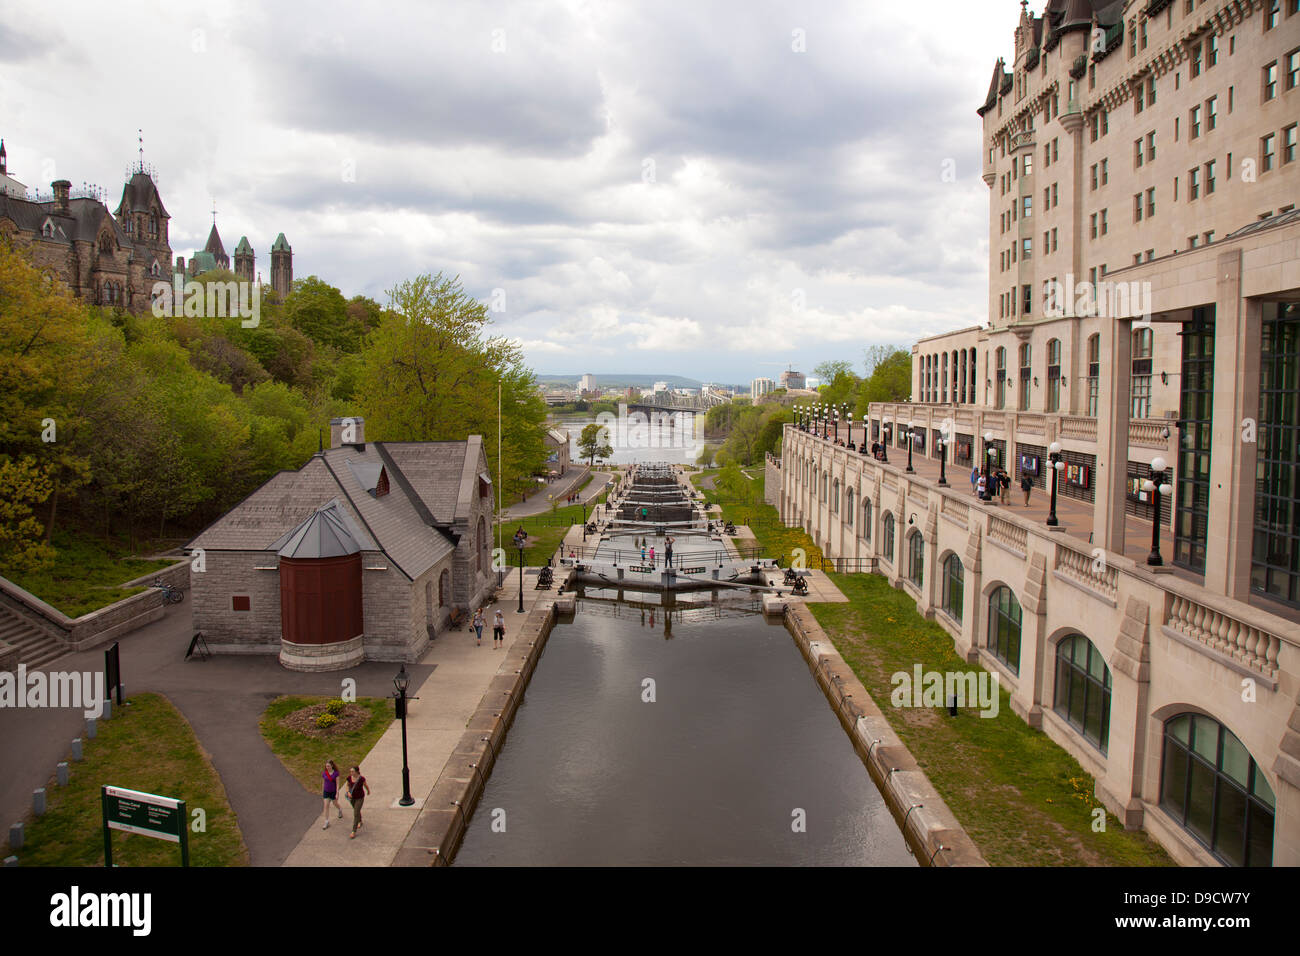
(1144, 309)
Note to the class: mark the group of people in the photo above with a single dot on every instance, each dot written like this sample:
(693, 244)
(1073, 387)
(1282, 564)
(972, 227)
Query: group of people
(877, 450)
(354, 787)
(668, 551)
(571, 499)
(997, 483)
(498, 628)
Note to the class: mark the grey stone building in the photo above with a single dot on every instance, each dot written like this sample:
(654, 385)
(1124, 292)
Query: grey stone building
(419, 514)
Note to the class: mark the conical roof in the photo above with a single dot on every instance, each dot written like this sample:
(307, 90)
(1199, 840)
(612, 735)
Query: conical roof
(243, 249)
(214, 245)
(281, 244)
(328, 532)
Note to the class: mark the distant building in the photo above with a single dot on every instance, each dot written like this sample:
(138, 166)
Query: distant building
(557, 451)
(660, 387)
(587, 383)
(760, 387)
(793, 379)
(213, 256)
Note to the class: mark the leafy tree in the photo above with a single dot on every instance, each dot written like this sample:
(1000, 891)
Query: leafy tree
(891, 381)
(831, 369)
(319, 311)
(593, 443)
(24, 485)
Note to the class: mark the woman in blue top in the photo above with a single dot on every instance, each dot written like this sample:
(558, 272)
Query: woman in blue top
(330, 775)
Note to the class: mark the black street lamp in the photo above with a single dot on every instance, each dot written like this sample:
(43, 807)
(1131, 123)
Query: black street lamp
(402, 681)
(835, 412)
(850, 429)
(942, 447)
(1054, 456)
(886, 426)
(584, 523)
(1156, 486)
(520, 609)
(989, 454)
(910, 434)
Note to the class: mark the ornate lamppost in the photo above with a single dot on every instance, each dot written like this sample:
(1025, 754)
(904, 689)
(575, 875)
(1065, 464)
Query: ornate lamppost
(1054, 456)
(887, 432)
(942, 447)
(850, 429)
(835, 414)
(910, 434)
(401, 682)
(1156, 486)
(520, 609)
(989, 453)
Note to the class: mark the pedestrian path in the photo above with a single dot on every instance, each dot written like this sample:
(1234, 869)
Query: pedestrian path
(435, 724)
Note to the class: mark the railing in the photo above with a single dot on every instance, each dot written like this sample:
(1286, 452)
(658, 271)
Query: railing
(954, 508)
(1252, 646)
(1073, 426)
(963, 417)
(1033, 424)
(1093, 573)
(995, 420)
(1008, 533)
(1149, 434)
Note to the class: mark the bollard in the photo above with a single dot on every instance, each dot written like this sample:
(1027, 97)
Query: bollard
(11, 861)
(38, 801)
(952, 705)
(16, 836)
(91, 729)
(108, 708)
(76, 749)
(61, 773)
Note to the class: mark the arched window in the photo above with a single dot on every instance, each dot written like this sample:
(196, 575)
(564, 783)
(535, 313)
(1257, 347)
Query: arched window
(1004, 628)
(835, 496)
(1082, 694)
(866, 520)
(848, 505)
(954, 587)
(887, 535)
(826, 483)
(444, 588)
(1211, 785)
(916, 558)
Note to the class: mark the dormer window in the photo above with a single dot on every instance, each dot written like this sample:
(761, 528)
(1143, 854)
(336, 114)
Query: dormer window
(47, 229)
(381, 486)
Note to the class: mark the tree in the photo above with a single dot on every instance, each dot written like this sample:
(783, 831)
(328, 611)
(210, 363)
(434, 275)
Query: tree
(594, 442)
(319, 311)
(891, 381)
(831, 369)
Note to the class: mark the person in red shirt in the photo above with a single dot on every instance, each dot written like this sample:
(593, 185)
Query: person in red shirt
(357, 790)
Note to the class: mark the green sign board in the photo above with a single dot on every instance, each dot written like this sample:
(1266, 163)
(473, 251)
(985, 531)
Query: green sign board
(147, 814)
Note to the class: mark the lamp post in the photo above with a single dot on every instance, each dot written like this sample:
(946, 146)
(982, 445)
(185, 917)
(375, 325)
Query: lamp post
(886, 427)
(584, 523)
(989, 452)
(520, 609)
(402, 681)
(1156, 486)
(835, 413)
(850, 429)
(910, 433)
(942, 447)
(1054, 455)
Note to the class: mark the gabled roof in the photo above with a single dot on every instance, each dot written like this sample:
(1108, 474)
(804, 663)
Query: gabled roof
(139, 193)
(83, 221)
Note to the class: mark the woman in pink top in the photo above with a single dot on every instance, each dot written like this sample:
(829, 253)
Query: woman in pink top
(330, 791)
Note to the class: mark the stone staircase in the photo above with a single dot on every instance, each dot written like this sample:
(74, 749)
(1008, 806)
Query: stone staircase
(35, 646)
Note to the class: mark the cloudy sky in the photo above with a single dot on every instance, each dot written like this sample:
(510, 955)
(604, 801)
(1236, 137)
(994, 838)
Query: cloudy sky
(711, 189)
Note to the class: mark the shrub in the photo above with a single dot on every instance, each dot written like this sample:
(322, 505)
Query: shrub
(326, 721)
(336, 706)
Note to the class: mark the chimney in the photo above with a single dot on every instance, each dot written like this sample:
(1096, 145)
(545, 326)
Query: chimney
(61, 188)
(348, 431)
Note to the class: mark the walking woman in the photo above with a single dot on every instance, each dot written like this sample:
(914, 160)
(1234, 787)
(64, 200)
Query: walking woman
(330, 775)
(499, 630)
(478, 626)
(357, 790)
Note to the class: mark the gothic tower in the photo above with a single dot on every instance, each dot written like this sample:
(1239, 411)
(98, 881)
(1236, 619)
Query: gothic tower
(244, 260)
(281, 266)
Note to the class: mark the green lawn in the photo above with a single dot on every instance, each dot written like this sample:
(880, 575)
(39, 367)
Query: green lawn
(148, 746)
(1023, 799)
(545, 531)
(304, 756)
(86, 575)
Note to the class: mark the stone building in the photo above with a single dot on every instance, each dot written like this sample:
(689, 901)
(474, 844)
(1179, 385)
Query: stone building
(105, 258)
(213, 256)
(362, 554)
(1154, 144)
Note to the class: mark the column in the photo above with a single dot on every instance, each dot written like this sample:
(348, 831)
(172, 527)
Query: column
(1115, 392)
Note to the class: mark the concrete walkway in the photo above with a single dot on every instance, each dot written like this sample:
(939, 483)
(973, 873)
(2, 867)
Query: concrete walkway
(540, 502)
(435, 723)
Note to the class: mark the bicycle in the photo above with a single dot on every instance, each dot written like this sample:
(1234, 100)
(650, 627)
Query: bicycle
(171, 595)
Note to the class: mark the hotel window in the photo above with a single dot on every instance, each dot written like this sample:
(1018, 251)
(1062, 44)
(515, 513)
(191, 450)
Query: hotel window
(1211, 113)
(1292, 69)
(1270, 81)
(1103, 221)
(1025, 373)
(1195, 411)
(1132, 40)
(1092, 76)
(1082, 694)
(1142, 34)
(1105, 171)
(1137, 152)
(1151, 201)
(1054, 375)
(1272, 14)
(1000, 380)
(1288, 144)
(1292, 153)
(1047, 155)
(1266, 152)
(1194, 123)
(1105, 114)
(1137, 207)
(1093, 226)
(1004, 628)
(1176, 178)
(1194, 68)
(1208, 237)
(1211, 786)
(1094, 171)
(1209, 177)
(1056, 155)
(1211, 51)
(1055, 197)
(1026, 206)
(1047, 197)
(1029, 164)
(1191, 242)
(1275, 560)
(1151, 254)
(1094, 373)
(1141, 403)
(1095, 128)
(954, 587)
(1193, 184)
(1151, 145)
(1028, 294)
(1137, 101)
(1151, 92)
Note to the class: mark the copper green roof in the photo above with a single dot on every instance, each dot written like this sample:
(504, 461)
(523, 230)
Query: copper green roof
(243, 248)
(281, 244)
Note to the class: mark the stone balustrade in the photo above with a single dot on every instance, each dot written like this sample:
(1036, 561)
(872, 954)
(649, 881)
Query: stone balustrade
(1252, 646)
(1092, 572)
(1008, 533)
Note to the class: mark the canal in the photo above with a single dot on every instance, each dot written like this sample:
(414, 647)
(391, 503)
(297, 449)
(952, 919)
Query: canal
(677, 730)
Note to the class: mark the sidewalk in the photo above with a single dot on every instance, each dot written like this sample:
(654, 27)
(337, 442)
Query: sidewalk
(540, 502)
(435, 724)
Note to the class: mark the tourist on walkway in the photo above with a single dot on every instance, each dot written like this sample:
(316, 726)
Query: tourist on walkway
(974, 478)
(668, 553)
(1026, 485)
(652, 555)
(331, 791)
(357, 790)
(478, 626)
(643, 552)
(1004, 484)
(981, 486)
(499, 630)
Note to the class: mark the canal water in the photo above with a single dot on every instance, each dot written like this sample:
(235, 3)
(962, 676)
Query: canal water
(738, 759)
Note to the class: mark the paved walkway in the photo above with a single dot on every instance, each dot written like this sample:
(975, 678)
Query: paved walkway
(435, 723)
(540, 503)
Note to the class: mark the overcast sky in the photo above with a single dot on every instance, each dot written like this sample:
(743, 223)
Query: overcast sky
(711, 189)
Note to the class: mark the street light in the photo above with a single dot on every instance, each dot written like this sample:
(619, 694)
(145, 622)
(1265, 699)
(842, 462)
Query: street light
(1156, 486)
(584, 523)
(835, 413)
(520, 609)
(402, 681)
(989, 453)
(942, 447)
(1054, 455)
(886, 426)
(850, 429)
(911, 440)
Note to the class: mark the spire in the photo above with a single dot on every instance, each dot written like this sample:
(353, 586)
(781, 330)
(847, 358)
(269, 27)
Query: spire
(3, 160)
